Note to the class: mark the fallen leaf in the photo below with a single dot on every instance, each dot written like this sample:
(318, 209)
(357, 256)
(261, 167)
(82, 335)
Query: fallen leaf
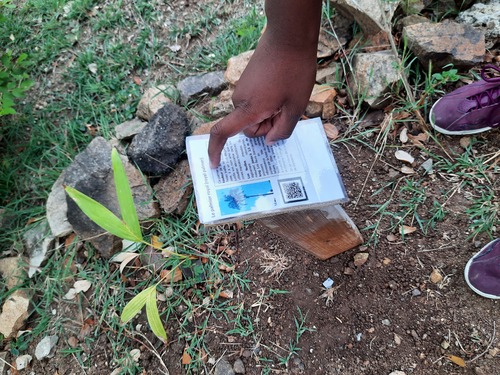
(155, 241)
(169, 277)
(228, 294)
(419, 139)
(186, 358)
(124, 259)
(456, 360)
(404, 156)
(391, 237)
(407, 170)
(360, 259)
(405, 229)
(331, 131)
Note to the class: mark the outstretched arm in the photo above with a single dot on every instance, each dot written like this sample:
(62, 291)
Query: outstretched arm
(274, 89)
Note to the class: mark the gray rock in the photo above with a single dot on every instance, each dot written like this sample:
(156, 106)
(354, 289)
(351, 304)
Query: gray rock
(446, 43)
(223, 367)
(238, 366)
(45, 348)
(57, 210)
(485, 17)
(38, 240)
(91, 173)
(373, 16)
(192, 88)
(128, 129)
(158, 147)
(374, 75)
(12, 271)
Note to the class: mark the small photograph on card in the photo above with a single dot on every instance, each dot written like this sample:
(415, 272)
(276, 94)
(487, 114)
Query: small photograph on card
(247, 197)
(292, 190)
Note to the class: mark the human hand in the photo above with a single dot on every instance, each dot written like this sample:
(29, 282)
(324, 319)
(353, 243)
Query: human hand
(270, 96)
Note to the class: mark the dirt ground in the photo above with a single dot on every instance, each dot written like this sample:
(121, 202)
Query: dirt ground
(384, 315)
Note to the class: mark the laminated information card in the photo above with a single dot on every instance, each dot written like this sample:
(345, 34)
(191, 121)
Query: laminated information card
(255, 180)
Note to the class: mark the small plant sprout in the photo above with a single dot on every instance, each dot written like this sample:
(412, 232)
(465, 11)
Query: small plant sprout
(127, 228)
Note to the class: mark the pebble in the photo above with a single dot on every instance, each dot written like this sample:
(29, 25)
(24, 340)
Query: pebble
(416, 292)
(223, 367)
(23, 361)
(386, 322)
(239, 367)
(44, 349)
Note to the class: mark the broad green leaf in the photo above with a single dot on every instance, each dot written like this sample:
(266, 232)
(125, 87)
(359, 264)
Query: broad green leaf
(136, 304)
(124, 194)
(102, 216)
(154, 317)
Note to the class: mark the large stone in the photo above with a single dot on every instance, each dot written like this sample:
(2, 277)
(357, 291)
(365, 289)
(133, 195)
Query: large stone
(174, 191)
(153, 100)
(374, 74)
(236, 65)
(91, 173)
(57, 209)
(446, 43)
(14, 313)
(373, 16)
(194, 87)
(157, 148)
(485, 17)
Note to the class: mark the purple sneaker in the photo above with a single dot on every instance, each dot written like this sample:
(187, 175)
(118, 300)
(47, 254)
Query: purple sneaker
(471, 109)
(482, 271)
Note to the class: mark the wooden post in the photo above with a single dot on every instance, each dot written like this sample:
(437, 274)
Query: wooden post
(322, 232)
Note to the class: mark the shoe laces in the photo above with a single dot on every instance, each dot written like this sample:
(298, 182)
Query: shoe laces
(492, 95)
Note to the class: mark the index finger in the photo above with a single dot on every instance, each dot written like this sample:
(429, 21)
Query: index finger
(230, 125)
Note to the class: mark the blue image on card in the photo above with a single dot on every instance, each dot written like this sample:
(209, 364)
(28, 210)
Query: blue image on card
(245, 198)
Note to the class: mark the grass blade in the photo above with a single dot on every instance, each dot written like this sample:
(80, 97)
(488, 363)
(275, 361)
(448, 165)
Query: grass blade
(124, 194)
(102, 216)
(154, 317)
(136, 304)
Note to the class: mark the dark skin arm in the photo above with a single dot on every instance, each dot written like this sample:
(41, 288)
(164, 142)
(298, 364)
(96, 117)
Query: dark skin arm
(274, 89)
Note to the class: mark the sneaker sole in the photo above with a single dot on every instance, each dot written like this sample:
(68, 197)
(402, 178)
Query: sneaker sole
(448, 132)
(466, 273)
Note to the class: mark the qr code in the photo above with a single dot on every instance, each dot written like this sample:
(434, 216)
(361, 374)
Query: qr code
(292, 190)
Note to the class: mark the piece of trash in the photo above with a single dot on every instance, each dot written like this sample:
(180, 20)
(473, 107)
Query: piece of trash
(328, 283)
(358, 337)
